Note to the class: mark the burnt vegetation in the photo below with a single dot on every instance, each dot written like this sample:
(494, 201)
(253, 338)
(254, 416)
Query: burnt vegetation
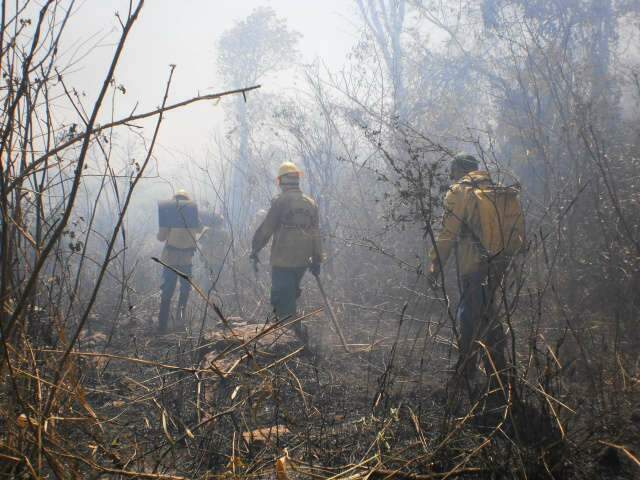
(545, 94)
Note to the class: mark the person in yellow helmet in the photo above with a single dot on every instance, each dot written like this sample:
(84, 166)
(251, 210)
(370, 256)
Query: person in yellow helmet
(293, 223)
(179, 225)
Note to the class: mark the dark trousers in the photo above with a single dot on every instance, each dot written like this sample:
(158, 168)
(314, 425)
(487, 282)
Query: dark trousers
(478, 322)
(285, 289)
(169, 281)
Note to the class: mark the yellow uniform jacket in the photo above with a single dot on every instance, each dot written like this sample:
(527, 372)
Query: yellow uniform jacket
(293, 223)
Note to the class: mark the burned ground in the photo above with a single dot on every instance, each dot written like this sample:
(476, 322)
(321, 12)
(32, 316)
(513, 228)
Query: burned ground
(231, 400)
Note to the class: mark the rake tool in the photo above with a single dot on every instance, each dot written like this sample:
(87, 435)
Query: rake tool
(334, 320)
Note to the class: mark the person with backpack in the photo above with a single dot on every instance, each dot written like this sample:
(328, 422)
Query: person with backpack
(293, 223)
(483, 228)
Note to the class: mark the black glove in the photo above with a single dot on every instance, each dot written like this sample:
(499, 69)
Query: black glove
(315, 269)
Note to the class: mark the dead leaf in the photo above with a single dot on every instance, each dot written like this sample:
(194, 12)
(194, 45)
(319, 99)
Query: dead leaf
(49, 422)
(235, 462)
(93, 448)
(164, 426)
(22, 421)
(235, 392)
(281, 469)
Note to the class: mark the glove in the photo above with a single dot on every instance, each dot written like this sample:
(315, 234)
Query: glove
(315, 269)
(433, 277)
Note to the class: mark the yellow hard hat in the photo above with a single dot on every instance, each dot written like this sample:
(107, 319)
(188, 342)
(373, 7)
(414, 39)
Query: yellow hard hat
(182, 193)
(287, 168)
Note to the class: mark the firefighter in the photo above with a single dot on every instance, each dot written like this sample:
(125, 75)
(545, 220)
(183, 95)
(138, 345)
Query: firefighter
(483, 226)
(214, 244)
(292, 221)
(179, 227)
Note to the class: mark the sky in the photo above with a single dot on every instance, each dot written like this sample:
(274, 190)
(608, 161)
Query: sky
(185, 33)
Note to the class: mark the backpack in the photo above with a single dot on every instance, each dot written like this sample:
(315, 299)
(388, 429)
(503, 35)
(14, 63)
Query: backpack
(498, 218)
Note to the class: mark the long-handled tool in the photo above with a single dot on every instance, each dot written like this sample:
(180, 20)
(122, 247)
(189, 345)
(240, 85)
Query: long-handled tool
(257, 287)
(334, 320)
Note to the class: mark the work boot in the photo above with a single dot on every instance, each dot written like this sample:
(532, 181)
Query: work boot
(301, 332)
(163, 317)
(183, 298)
(180, 317)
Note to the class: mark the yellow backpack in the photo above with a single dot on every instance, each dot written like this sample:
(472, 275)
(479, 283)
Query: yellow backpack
(499, 219)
